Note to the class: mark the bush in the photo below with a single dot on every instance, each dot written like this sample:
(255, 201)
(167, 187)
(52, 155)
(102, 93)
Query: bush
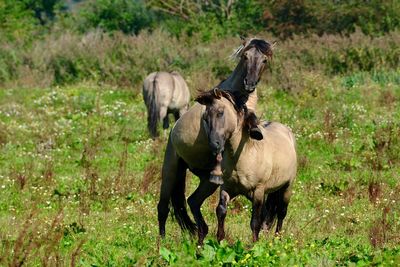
(118, 59)
(115, 15)
(15, 20)
(209, 21)
(286, 18)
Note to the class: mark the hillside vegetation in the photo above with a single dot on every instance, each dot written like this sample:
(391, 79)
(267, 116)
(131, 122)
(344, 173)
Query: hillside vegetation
(80, 175)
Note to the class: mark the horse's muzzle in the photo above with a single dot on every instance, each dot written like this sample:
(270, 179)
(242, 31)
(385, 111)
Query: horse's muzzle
(250, 86)
(216, 147)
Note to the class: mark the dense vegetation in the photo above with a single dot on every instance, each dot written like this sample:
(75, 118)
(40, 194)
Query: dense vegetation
(79, 175)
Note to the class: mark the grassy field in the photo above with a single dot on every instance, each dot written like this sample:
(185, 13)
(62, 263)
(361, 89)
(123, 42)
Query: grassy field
(79, 179)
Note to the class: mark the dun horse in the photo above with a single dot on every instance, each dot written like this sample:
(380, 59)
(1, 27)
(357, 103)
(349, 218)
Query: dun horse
(251, 168)
(164, 93)
(189, 147)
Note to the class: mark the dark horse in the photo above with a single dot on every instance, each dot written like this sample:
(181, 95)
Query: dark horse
(190, 148)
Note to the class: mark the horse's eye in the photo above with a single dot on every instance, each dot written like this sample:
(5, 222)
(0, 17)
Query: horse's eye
(264, 61)
(220, 114)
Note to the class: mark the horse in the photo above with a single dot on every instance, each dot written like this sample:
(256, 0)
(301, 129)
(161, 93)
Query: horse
(188, 145)
(164, 93)
(251, 168)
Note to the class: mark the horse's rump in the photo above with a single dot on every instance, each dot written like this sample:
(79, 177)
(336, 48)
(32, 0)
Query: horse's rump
(164, 93)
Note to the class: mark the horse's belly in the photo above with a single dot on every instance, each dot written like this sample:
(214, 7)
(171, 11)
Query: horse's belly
(196, 158)
(240, 182)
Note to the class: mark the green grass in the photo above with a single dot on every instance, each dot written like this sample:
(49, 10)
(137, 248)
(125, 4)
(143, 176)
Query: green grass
(79, 180)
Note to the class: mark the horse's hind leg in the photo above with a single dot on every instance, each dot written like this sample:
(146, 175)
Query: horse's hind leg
(177, 115)
(256, 214)
(270, 210)
(163, 204)
(173, 190)
(282, 205)
(167, 184)
(203, 191)
(164, 117)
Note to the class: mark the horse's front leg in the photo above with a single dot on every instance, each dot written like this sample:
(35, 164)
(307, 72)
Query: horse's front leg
(195, 201)
(256, 214)
(221, 213)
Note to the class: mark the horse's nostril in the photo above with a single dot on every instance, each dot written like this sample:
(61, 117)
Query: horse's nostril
(245, 80)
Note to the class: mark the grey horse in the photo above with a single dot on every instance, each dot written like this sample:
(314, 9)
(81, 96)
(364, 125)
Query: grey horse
(164, 93)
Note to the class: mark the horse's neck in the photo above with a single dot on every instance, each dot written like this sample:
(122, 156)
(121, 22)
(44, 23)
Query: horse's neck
(234, 84)
(237, 140)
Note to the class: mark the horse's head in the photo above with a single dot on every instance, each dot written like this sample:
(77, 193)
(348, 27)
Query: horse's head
(220, 118)
(254, 55)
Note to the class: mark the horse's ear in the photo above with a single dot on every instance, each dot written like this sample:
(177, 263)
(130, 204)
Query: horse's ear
(273, 45)
(217, 93)
(244, 39)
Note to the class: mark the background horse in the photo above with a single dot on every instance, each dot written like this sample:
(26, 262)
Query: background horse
(164, 93)
(251, 168)
(189, 148)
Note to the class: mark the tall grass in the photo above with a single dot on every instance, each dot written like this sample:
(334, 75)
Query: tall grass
(123, 60)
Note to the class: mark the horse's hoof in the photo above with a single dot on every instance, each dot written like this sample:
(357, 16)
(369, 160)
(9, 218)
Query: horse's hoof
(256, 133)
(216, 179)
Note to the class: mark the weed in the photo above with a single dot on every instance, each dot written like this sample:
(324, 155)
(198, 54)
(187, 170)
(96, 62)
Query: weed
(374, 192)
(151, 175)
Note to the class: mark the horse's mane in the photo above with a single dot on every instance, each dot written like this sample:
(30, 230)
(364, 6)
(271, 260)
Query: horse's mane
(261, 45)
(207, 97)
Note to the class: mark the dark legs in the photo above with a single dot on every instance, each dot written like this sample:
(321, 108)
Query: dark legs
(165, 122)
(270, 210)
(165, 119)
(282, 208)
(163, 211)
(276, 207)
(173, 190)
(256, 216)
(177, 115)
(167, 184)
(221, 213)
(195, 201)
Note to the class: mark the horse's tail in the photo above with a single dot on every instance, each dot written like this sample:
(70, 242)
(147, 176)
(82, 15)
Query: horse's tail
(173, 191)
(153, 107)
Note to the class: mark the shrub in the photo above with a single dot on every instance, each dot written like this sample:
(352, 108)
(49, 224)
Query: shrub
(287, 18)
(120, 15)
(118, 59)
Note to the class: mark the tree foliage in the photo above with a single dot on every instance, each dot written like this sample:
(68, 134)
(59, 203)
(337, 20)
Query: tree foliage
(288, 17)
(115, 15)
(207, 19)
(19, 19)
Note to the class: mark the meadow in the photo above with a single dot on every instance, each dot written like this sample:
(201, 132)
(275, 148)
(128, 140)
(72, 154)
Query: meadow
(80, 175)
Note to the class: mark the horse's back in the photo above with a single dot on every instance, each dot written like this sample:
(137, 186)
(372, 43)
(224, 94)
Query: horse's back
(190, 139)
(281, 133)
